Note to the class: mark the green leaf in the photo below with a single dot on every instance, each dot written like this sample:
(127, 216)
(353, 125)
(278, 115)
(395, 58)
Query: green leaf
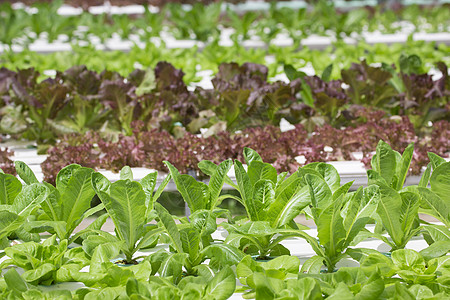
(77, 195)
(425, 177)
(15, 282)
(64, 176)
(321, 195)
(172, 266)
(409, 211)
(440, 180)
(434, 206)
(312, 265)
(437, 249)
(226, 254)
(261, 171)
(435, 160)
(251, 155)
(126, 173)
(167, 222)
(362, 206)
(389, 209)
(330, 228)
(10, 187)
(216, 182)
(305, 289)
(246, 190)
(194, 193)
(222, 286)
(437, 232)
(9, 222)
(403, 166)
(384, 161)
(25, 173)
(190, 241)
(288, 204)
(148, 184)
(263, 196)
(125, 203)
(407, 259)
(326, 74)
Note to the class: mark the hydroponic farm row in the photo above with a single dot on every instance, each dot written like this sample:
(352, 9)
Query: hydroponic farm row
(244, 150)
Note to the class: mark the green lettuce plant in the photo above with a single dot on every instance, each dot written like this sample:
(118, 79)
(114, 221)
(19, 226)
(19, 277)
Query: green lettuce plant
(271, 201)
(398, 207)
(17, 206)
(419, 271)
(67, 204)
(47, 262)
(188, 247)
(340, 216)
(129, 204)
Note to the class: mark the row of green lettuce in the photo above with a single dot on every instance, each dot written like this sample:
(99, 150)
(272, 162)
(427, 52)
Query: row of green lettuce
(79, 100)
(193, 265)
(192, 60)
(205, 23)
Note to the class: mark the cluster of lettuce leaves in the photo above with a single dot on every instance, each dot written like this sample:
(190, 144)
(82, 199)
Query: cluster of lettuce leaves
(155, 255)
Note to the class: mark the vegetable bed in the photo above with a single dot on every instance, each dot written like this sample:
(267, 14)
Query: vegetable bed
(373, 242)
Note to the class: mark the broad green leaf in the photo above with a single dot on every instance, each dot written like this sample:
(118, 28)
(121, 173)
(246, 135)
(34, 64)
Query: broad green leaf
(407, 259)
(226, 254)
(245, 189)
(437, 232)
(258, 170)
(52, 205)
(64, 176)
(341, 292)
(194, 193)
(190, 241)
(161, 187)
(384, 162)
(373, 287)
(330, 227)
(440, 181)
(403, 166)
(167, 222)
(326, 74)
(409, 211)
(265, 286)
(209, 167)
(251, 155)
(222, 286)
(126, 173)
(25, 173)
(288, 204)
(9, 222)
(148, 184)
(125, 204)
(321, 195)
(330, 175)
(437, 249)
(76, 196)
(172, 266)
(305, 289)
(362, 206)
(435, 160)
(30, 196)
(10, 187)
(15, 282)
(434, 205)
(312, 265)
(216, 182)
(425, 177)
(263, 196)
(390, 211)
(285, 263)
